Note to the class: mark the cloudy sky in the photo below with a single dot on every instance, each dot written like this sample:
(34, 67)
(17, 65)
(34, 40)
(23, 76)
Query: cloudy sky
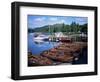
(35, 21)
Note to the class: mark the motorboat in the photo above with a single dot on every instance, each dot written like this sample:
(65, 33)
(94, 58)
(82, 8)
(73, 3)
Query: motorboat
(41, 37)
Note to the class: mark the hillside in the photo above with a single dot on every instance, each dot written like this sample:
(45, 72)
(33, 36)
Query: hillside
(61, 28)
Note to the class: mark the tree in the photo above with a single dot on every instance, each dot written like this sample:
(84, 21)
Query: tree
(84, 28)
(30, 30)
(73, 27)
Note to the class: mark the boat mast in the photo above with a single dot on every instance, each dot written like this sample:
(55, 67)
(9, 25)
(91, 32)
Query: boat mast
(49, 33)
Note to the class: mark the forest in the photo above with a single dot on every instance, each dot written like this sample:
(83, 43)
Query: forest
(72, 28)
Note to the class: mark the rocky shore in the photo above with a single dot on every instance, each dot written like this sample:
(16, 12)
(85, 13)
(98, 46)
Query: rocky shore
(63, 53)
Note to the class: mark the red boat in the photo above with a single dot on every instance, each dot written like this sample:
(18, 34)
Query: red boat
(64, 39)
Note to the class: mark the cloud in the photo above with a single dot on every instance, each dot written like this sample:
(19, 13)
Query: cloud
(62, 21)
(40, 19)
(81, 19)
(53, 19)
(59, 21)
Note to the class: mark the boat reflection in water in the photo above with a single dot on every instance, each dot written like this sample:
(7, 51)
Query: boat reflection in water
(37, 46)
(42, 51)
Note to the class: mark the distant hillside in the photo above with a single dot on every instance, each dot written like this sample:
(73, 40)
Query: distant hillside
(61, 28)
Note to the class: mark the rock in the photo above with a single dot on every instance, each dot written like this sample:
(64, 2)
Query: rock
(58, 56)
(39, 60)
(65, 52)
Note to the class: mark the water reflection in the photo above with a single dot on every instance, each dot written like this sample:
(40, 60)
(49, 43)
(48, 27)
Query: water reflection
(38, 46)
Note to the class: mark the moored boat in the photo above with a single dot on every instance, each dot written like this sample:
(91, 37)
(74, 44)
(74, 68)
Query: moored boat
(41, 37)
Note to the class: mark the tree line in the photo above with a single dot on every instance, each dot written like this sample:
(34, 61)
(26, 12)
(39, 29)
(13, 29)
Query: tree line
(73, 27)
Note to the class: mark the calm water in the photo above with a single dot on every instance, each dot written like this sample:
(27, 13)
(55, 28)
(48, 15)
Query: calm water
(36, 47)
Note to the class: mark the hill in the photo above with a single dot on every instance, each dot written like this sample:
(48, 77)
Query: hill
(74, 27)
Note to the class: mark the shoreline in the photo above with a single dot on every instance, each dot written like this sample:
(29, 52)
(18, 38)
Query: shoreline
(63, 53)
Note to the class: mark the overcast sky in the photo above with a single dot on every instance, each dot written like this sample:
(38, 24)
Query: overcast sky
(35, 21)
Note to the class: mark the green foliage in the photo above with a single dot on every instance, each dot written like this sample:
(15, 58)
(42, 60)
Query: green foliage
(73, 27)
(84, 28)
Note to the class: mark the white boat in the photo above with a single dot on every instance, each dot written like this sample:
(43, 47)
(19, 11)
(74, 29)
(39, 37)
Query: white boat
(41, 37)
